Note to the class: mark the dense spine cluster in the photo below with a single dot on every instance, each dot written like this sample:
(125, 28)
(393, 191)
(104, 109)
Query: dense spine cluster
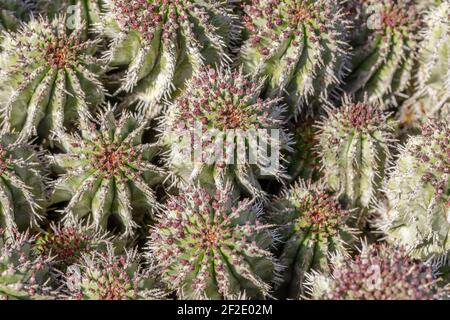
(418, 191)
(106, 276)
(49, 78)
(24, 274)
(66, 245)
(223, 107)
(299, 46)
(354, 143)
(212, 247)
(107, 173)
(377, 273)
(312, 228)
(160, 44)
(386, 40)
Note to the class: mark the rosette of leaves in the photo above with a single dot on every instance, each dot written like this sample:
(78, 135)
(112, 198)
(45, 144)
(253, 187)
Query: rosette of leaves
(49, 78)
(212, 247)
(106, 276)
(386, 40)
(312, 228)
(24, 275)
(379, 272)
(157, 45)
(299, 46)
(418, 193)
(22, 184)
(354, 143)
(107, 173)
(216, 132)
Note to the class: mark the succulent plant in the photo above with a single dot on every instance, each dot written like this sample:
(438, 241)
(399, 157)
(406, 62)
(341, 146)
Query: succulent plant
(67, 244)
(312, 227)
(418, 192)
(354, 143)
(141, 141)
(386, 39)
(304, 161)
(48, 78)
(212, 130)
(23, 274)
(13, 12)
(299, 46)
(379, 272)
(106, 276)
(432, 97)
(212, 246)
(160, 44)
(22, 188)
(107, 174)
